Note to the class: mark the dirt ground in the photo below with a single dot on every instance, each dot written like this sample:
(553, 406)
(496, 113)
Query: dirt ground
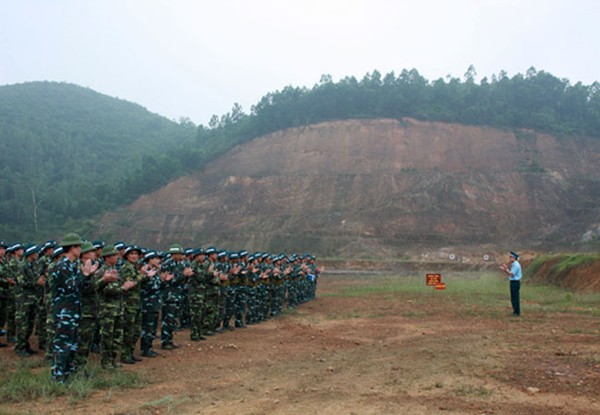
(391, 353)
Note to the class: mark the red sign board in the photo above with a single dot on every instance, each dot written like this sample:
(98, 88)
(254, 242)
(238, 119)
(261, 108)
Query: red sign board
(440, 286)
(431, 280)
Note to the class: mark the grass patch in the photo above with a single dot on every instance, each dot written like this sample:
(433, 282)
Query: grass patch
(479, 294)
(168, 403)
(471, 391)
(31, 380)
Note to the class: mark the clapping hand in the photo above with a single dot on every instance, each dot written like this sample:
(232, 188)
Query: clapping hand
(165, 276)
(88, 268)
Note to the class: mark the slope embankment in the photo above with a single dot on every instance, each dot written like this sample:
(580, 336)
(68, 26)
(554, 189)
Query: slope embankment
(378, 189)
(577, 272)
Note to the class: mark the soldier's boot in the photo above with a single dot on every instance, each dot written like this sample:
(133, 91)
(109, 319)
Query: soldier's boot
(149, 353)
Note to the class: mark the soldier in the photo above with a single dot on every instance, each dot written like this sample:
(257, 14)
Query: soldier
(27, 280)
(3, 290)
(110, 287)
(225, 305)
(49, 324)
(253, 277)
(66, 307)
(240, 281)
(213, 291)
(13, 267)
(132, 305)
(150, 292)
(197, 284)
(44, 260)
(172, 294)
(265, 286)
(89, 305)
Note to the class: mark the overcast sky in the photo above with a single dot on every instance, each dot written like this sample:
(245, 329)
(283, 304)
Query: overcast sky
(193, 58)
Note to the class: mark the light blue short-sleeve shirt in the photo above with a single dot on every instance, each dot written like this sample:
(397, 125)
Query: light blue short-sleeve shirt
(515, 270)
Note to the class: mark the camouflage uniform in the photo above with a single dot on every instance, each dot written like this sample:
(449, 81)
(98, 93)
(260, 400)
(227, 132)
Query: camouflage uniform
(197, 284)
(12, 270)
(41, 316)
(150, 293)
(3, 291)
(172, 297)
(226, 297)
(50, 329)
(252, 279)
(132, 310)
(89, 318)
(213, 292)
(240, 298)
(110, 315)
(278, 289)
(26, 301)
(66, 308)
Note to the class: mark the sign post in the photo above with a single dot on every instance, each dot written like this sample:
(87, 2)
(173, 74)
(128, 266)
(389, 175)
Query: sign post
(435, 281)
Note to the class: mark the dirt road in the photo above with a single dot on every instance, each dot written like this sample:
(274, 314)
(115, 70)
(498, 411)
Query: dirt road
(382, 353)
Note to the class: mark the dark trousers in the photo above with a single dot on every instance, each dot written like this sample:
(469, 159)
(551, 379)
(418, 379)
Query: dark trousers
(515, 297)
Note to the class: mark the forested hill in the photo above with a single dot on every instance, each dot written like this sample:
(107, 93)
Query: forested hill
(68, 152)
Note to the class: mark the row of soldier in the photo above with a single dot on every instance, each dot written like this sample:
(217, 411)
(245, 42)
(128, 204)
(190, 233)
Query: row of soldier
(83, 294)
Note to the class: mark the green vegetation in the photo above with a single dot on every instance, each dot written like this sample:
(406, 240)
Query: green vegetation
(167, 403)
(479, 294)
(561, 266)
(69, 154)
(31, 380)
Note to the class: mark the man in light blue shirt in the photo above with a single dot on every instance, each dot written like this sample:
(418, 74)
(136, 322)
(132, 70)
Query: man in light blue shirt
(514, 275)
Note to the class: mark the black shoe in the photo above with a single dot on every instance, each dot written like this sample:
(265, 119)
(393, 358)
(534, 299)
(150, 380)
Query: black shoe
(209, 333)
(31, 351)
(2, 332)
(3, 345)
(127, 360)
(167, 346)
(135, 358)
(11, 339)
(149, 353)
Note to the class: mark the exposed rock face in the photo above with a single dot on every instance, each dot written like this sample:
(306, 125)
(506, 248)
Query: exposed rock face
(376, 186)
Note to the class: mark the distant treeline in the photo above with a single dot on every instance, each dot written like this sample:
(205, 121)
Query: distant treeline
(536, 100)
(69, 153)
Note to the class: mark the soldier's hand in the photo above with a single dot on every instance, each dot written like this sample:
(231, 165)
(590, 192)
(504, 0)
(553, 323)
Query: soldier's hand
(128, 285)
(87, 268)
(110, 276)
(144, 268)
(11, 281)
(165, 276)
(41, 281)
(151, 273)
(187, 271)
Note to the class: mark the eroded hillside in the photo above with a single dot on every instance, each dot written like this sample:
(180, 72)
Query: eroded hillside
(377, 187)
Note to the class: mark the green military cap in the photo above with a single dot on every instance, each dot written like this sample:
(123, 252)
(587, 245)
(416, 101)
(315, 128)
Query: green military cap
(109, 250)
(176, 249)
(48, 245)
(87, 247)
(31, 249)
(120, 245)
(57, 252)
(71, 239)
(132, 248)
